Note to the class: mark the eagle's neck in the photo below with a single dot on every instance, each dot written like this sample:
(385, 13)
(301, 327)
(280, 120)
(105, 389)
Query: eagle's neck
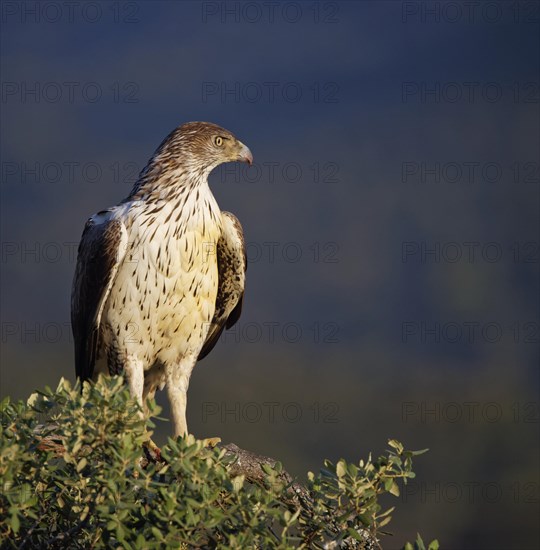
(180, 195)
(163, 179)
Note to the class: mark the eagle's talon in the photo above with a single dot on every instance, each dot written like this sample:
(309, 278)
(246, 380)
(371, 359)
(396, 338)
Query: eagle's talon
(152, 452)
(211, 441)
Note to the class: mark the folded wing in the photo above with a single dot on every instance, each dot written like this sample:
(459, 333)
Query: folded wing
(101, 250)
(232, 265)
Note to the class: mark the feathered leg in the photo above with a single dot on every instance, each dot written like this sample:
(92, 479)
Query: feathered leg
(177, 387)
(134, 370)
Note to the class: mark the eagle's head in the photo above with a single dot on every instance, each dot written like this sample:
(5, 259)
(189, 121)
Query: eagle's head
(186, 157)
(203, 145)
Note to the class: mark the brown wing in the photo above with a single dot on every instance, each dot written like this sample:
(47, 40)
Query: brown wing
(101, 250)
(232, 266)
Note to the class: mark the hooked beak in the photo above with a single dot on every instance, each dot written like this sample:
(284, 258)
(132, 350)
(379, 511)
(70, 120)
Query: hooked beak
(244, 154)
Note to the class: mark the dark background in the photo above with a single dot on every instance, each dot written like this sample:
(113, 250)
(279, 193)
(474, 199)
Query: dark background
(393, 279)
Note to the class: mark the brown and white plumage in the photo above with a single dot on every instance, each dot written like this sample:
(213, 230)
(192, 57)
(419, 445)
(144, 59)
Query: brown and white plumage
(161, 275)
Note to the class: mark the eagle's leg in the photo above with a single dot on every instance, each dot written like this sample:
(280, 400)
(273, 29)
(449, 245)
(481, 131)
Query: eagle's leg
(148, 394)
(150, 447)
(177, 387)
(134, 371)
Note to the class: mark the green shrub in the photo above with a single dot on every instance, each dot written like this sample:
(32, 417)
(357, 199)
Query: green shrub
(73, 477)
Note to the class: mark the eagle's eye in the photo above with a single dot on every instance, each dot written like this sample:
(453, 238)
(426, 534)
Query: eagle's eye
(218, 140)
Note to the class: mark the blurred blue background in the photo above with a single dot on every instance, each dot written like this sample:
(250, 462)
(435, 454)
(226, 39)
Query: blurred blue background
(391, 219)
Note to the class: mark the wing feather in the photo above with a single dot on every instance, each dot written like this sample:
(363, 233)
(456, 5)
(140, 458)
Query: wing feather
(232, 266)
(101, 250)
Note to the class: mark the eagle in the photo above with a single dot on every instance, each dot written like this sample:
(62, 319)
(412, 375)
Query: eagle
(160, 275)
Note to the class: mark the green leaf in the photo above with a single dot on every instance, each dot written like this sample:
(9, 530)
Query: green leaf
(238, 483)
(419, 542)
(354, 534)
(394, 489)
(15, 523)
(385, 521)
(389, 511)
(341, 468)
(81, 464)
(418, 453)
